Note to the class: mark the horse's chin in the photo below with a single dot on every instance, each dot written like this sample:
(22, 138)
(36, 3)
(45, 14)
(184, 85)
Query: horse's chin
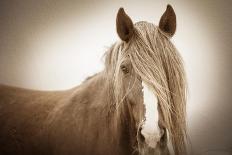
(154, 149)
(151, 143)
(147, 150)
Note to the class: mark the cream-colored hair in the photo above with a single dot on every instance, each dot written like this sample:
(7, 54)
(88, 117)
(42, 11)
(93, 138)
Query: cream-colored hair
(155, 59)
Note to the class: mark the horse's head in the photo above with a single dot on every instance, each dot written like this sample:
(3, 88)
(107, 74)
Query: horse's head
(149, 82)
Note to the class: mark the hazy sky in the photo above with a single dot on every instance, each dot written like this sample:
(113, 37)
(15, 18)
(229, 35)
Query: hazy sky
(56, 44)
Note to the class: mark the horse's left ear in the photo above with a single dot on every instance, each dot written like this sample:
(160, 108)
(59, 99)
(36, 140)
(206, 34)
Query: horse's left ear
(125, 26)
(167, 22)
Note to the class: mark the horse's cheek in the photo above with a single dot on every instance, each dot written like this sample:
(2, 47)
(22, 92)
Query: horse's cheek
(138, 112)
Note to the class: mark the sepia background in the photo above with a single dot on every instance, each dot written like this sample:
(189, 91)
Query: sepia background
(56, 44)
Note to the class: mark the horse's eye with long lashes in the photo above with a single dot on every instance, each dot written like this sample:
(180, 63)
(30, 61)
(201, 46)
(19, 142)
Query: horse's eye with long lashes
(124, 69)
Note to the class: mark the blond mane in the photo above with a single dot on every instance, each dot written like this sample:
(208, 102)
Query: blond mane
(156, 60)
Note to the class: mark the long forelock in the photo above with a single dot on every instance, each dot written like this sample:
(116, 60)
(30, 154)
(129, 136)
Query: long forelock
(159, 64)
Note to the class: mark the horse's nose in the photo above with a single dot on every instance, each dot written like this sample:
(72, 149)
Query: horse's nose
(151, 136)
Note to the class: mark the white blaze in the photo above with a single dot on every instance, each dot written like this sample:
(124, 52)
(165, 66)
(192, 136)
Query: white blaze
(150, 129)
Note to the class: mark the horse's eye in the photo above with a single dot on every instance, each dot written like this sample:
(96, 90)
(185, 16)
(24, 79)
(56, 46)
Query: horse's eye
(124, 69)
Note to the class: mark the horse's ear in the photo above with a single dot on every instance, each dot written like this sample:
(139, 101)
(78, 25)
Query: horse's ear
(124, 24)
(168, 21)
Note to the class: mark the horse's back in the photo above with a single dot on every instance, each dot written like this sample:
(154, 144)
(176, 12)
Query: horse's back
(15, 99)
(22, 116)
(74, 122)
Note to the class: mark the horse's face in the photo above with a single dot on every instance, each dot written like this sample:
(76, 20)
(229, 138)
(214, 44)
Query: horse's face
(144, 108)
(132, 88)
(138, 90)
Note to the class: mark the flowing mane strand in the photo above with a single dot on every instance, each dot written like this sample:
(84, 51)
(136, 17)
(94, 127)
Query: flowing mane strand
(158, 62)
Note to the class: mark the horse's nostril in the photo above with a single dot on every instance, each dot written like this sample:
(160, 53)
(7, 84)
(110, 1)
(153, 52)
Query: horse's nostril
(141, 137)
(163, 136)
(162, 132)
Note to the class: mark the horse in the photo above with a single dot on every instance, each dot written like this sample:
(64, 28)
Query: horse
(135, 106)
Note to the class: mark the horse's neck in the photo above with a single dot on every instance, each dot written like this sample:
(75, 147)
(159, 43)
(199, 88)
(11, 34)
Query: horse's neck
(90, 114)
(128, 127)
(118, 128)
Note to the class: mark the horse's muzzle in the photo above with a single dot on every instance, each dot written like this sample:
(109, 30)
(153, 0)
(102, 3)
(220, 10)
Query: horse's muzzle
(152, 140)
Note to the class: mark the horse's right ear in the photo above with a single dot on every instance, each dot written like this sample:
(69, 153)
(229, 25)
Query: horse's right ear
(124, 24)
(168, 21)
